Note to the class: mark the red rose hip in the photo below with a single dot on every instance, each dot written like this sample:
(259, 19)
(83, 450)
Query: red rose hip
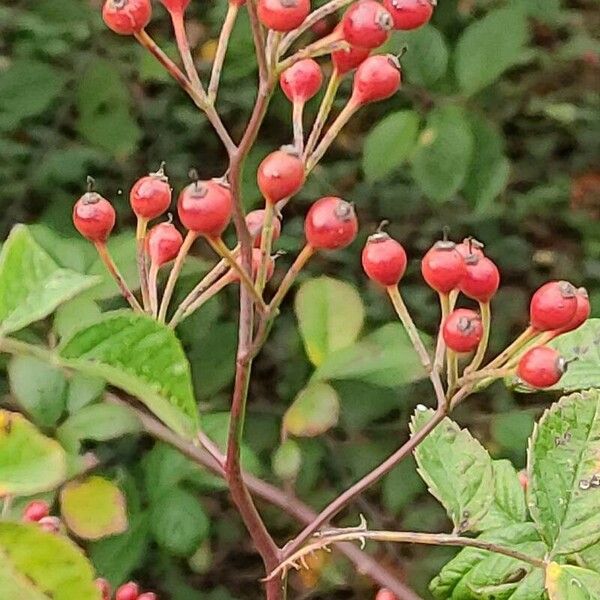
(462, 330)
(104, 588)
(553, 306)
(409, 14)
(36, 510)
(541, 367)
(127, 17)
(175, 6)
(443, 267)
(163, 243)
(150, 196)
(582, 312)
(481, 279)
(94, 217)
(128, 591)
(255, 220)
(385, 594)
(280, 175)
(366, 24)
(302, 80)
(282, 15)
(384, 259)
(147, 596)
(345, 61)
(205, 207)
(377, 78)
(330, 224)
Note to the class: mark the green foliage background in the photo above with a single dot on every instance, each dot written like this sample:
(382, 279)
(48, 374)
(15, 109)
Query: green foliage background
(495, 133)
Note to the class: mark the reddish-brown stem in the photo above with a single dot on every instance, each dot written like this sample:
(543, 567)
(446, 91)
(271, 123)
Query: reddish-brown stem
(185, 52)
(211, 458)
(226, 29)
(258, 35)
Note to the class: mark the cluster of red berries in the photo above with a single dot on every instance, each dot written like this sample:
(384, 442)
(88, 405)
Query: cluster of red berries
(38, 511)
(449, 268)
(128, 591)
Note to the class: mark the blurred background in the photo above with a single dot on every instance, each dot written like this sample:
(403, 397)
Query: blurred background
(495, 134)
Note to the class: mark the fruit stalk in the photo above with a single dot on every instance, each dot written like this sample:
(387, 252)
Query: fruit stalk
(224, 36)
(324, 110)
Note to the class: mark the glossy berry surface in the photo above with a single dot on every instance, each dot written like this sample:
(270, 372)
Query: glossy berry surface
(163, 243)
(345, 61)
(582, 312)
(205, 207)
(462, 330)
(147, 596)
(481, 279)
(409, 14)
(385, 594)
(377, 78)
(127, 17)
(282, 15)
(302, 80)
(443, 267)
(36, 510)
(366, 24)
(553, 306)
(94, 217)
(104, 588)
(541, 367)
(384, 259)
(128, 591)
(330, 224)
(280, 174)
(150, 196)
(175, 6)
(255, 220)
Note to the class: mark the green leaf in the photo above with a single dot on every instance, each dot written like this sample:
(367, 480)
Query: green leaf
(426, 58)
(564, 473)
(489, 47)
(389, 144)
(83, 390)
(566, 582)
(40, 389)
(32, 285)
(401, 486)
(117, 556)
(74, 315)
(489, 168)
(330, 315)
(29, 462)
(385, 358)
(287, 460)
(581, 344)
(35, 565)
(144, 358)
(98, 422)
(93, 508)
(457, 470)
(443, 155)
(314, 410)
(17, 102)
(476, 574)
(509, 506)
(179, 523)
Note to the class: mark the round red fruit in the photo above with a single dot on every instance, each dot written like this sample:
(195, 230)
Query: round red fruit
(280, 175)
(128, 591)
(346, 60)
(541, 367)
(582, 312)
(384, 259)
(377, 78)
(443, 267)
(36, 510)
(409, 14)
(282, 15)
(163, 243)
(104, 588)
(330, 224)
(481, 279)
(205, 207)
(553, 306)
(150, 196)
(255, 220)
(462, 330)
(302, 80)
(175, 6)
(385, 594)
(94, 217)
(147, 596)
(127, 17)
(366, 24)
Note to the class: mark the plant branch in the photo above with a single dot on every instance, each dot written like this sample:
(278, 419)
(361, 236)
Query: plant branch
(140, 238)
(228, 23)
(258, 35)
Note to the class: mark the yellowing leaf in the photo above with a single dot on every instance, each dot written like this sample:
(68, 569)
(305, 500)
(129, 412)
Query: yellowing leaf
(314, 411)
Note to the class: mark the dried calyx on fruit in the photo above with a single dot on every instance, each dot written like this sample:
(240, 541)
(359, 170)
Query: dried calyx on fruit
(330, 224)
(150, 196)
(582, 312)
(127, 17)
(366, 24)
(384, 259)
(462, 330)
(93, 215)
